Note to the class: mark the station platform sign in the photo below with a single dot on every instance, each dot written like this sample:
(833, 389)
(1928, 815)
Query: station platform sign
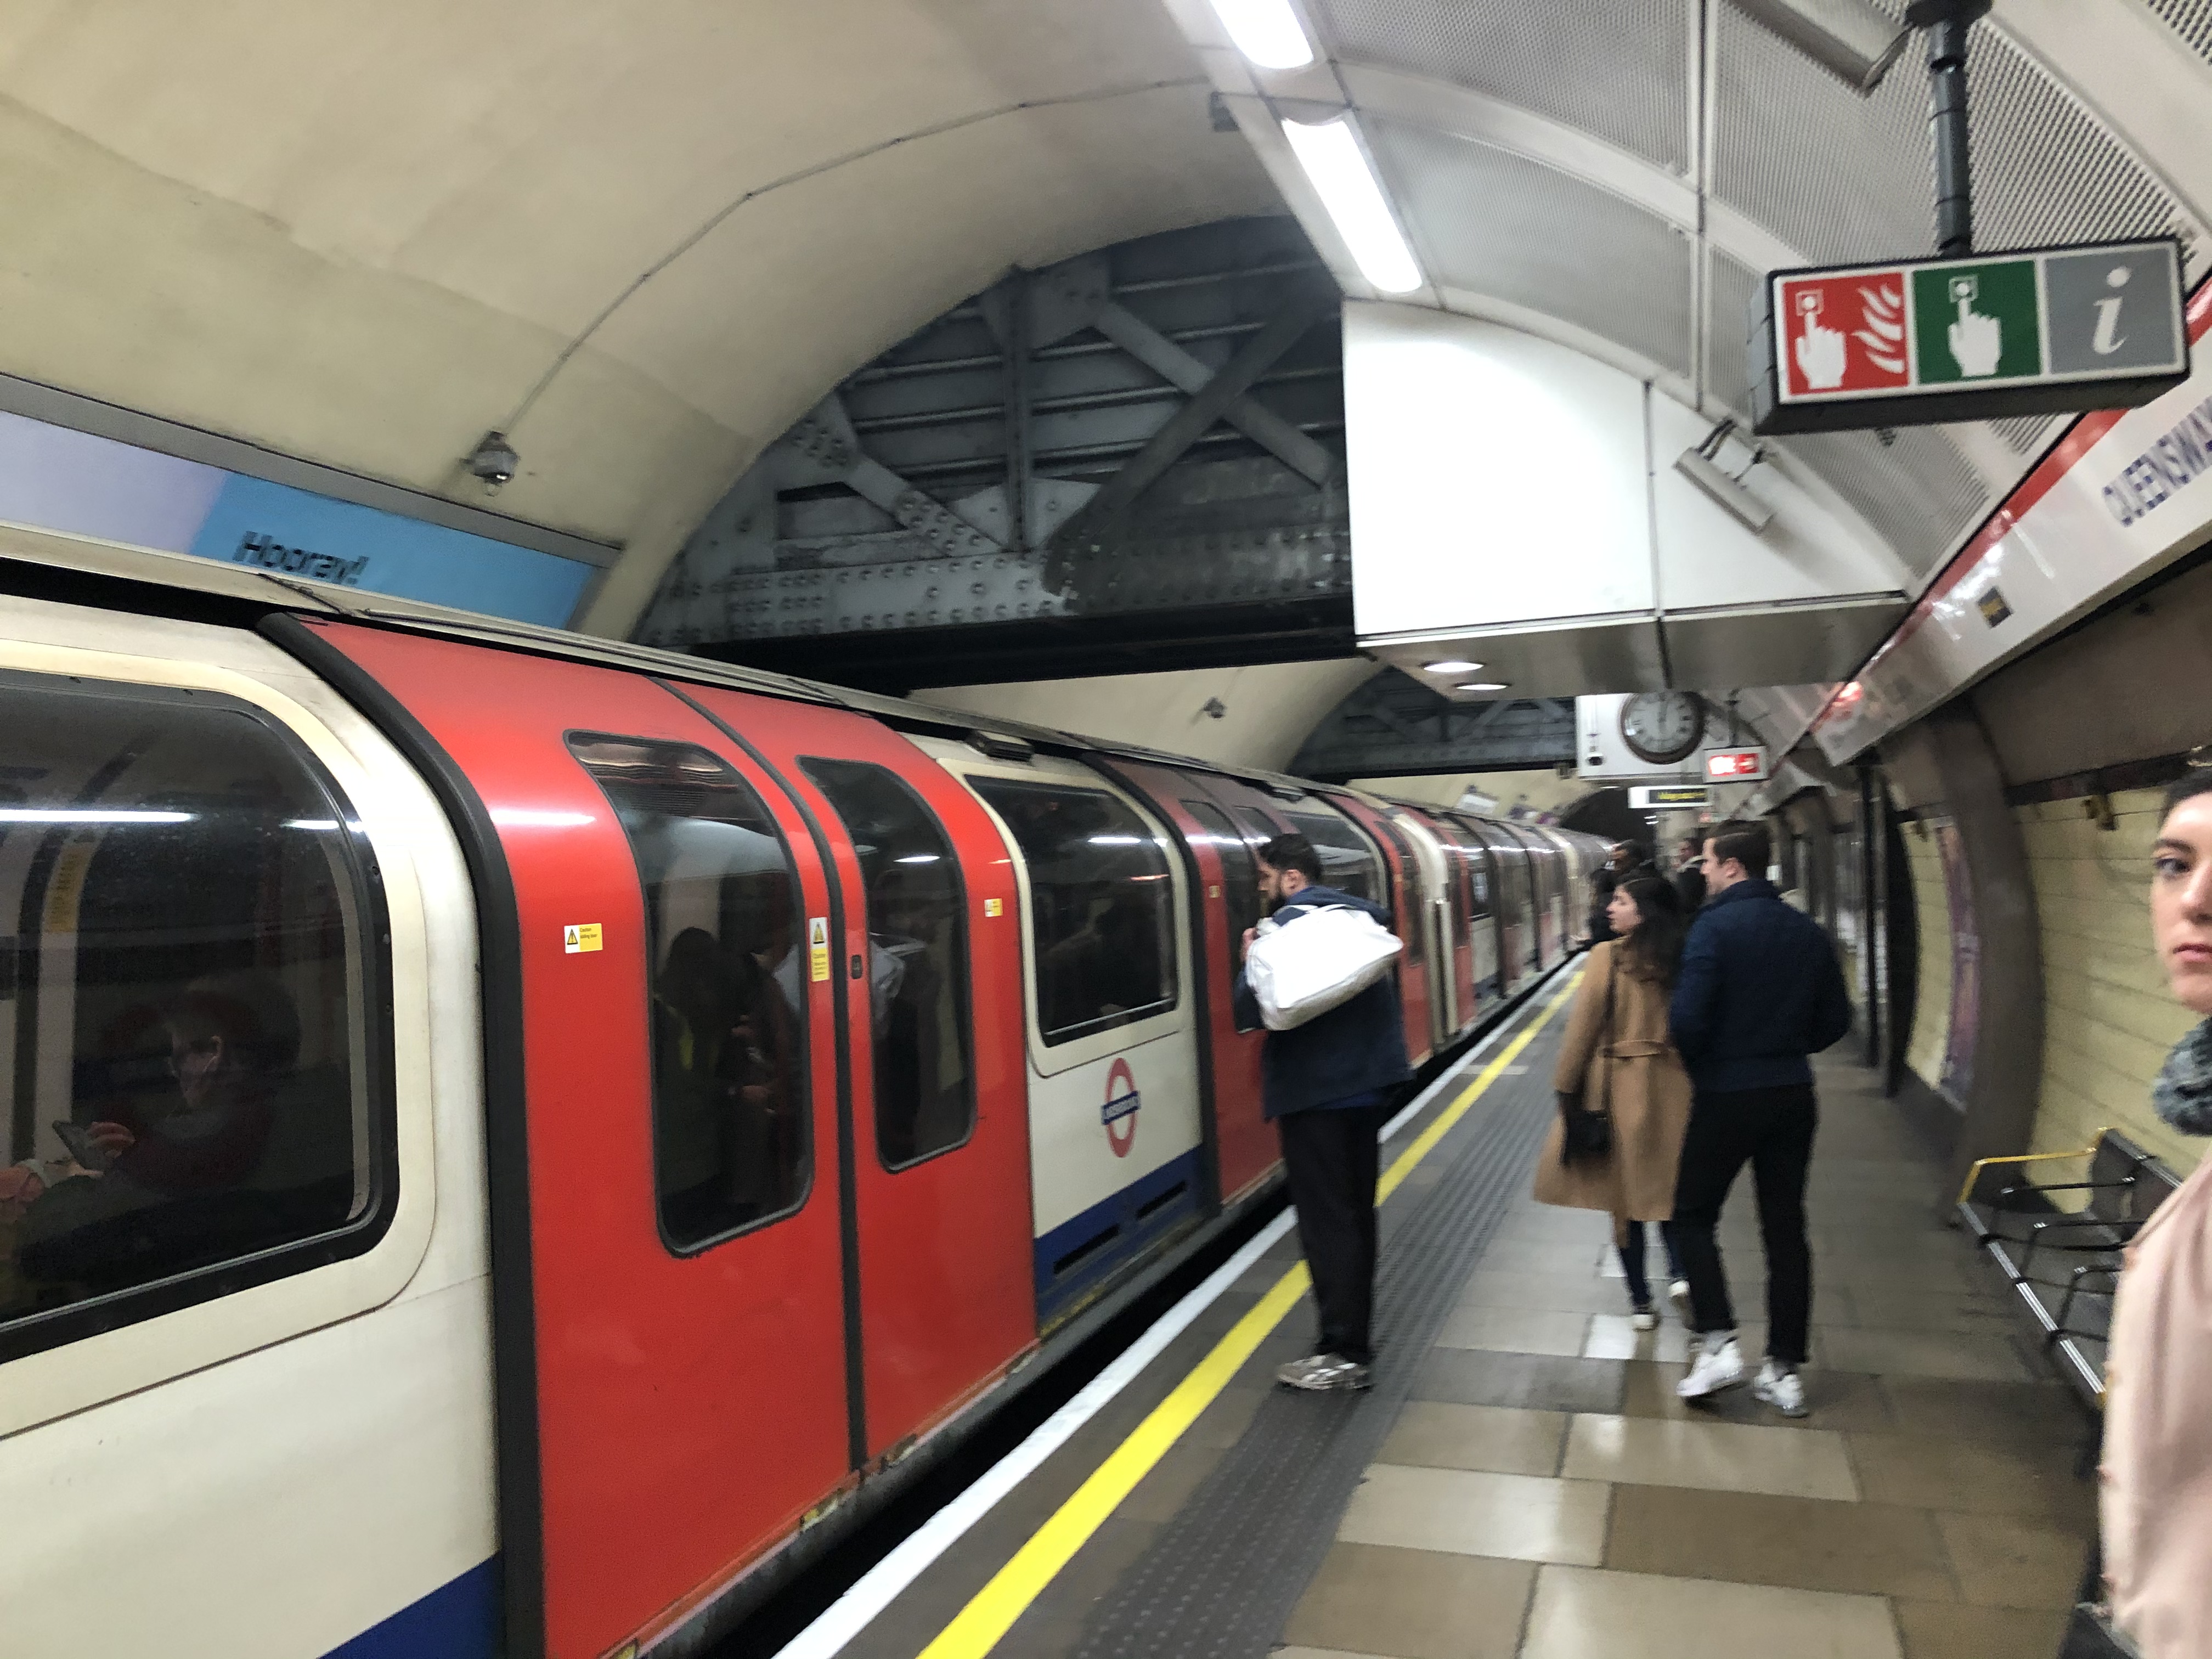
(1909, 343)
(1653, 797)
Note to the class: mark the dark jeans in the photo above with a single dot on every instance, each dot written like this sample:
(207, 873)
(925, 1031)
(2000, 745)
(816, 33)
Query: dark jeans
(1632, 1262)
(1772, 1130)
(1330, 1159)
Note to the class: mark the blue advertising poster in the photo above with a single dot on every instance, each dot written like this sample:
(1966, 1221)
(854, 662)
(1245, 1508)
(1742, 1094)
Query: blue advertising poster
(292, 531)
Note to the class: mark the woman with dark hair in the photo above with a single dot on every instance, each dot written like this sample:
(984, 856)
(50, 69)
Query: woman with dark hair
(1624, 1096)
(2157, 1492)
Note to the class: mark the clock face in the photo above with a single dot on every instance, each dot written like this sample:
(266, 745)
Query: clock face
(1662, 727)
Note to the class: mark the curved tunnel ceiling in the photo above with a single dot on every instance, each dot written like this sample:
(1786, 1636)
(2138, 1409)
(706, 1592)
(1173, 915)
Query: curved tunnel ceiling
(641, 238)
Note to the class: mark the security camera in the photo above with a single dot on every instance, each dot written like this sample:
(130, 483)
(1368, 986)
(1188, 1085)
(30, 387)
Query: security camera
(493, 460)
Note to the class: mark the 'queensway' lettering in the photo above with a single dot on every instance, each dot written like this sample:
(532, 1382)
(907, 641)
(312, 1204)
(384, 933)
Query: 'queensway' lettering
(2182, 455)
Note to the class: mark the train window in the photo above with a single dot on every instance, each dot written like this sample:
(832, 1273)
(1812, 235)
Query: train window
(917, 923)
(731, 1136)
(192, 1003)
(1101, 906)
(1240, 880)
(1347, 862)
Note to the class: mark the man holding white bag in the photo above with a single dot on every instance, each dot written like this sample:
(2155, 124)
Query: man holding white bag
(1332, 1067)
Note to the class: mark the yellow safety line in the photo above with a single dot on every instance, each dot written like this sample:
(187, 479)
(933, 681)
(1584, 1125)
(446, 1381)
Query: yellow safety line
(991, 1614)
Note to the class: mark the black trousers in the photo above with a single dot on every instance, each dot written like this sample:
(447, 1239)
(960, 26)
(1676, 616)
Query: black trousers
(1772, 1129)
(1330, 1159)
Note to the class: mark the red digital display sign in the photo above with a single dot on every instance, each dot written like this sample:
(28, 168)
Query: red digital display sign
(1735, 765)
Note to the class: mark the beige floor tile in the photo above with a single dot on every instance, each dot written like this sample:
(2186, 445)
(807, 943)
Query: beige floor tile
(1535, 1381)
(1955, 1356)
(1567, 1292)
(1430, 1434)
(1413, 1604)
(2011, 1561)
(1788, 1463)
(1978, 1478)
(1934, 1630)
(1519, 1517)
(1799, 1543)
(1514, 1330)
(1584, 1614)
(1507, 1255)
(1612, 1336)
(2027, 1413)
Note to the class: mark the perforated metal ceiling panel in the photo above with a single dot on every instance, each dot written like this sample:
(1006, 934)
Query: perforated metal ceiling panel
(1617, 68)
(1730, 288)
(1497, 223)
(2189, 19)
(1917, 491)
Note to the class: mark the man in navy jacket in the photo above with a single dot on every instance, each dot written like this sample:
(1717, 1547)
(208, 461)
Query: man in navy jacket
(1328, 1087)
(1760, 990)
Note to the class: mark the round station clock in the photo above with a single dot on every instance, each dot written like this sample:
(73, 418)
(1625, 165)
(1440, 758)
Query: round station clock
(1662, 727)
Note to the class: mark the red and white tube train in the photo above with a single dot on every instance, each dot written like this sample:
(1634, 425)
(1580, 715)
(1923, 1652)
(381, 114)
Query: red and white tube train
(509, 1133)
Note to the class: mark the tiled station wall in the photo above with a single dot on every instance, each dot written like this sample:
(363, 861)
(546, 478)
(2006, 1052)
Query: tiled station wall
(2108, 1018)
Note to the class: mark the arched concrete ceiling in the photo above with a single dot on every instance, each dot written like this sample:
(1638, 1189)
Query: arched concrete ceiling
(641, 237)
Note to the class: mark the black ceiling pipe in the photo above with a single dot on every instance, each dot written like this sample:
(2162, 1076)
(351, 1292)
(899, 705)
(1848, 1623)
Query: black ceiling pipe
(1947, 22)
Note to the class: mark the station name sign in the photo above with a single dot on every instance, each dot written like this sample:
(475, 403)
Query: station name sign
(1643, 797)
(1911, 343)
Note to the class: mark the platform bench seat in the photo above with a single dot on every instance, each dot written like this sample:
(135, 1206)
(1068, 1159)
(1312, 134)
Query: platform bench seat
(2059, 1243)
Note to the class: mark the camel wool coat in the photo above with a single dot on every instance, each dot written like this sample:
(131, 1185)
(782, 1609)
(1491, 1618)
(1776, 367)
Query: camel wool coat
(1625, 1065)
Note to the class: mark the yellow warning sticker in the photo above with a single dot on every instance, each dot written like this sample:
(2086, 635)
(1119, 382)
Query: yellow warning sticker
(994, 907)
(581, 936)
(817, 945)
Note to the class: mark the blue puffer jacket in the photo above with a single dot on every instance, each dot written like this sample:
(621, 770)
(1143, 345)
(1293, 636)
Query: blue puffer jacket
(1345, 1057)
(1758, 991)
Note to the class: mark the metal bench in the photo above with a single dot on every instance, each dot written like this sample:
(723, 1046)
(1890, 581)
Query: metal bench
(2065, 1263)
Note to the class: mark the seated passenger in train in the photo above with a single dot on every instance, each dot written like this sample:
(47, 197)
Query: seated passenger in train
(240, 1150)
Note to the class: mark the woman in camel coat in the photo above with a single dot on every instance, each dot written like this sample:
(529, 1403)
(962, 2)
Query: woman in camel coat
(1616, 1060)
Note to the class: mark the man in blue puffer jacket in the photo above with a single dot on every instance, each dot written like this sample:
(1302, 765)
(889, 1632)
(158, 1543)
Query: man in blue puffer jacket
(1758, 991)
(1328, 1087)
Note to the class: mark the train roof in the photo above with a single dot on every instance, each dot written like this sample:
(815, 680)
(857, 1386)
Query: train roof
(24, 549)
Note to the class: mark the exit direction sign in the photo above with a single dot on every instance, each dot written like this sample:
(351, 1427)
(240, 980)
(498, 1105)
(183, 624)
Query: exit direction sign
(1907, 343)
(1735, 765)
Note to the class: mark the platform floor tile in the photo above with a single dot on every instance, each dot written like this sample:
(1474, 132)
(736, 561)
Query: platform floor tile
(1431, 1434)
(1414, 1604)
(1583, 1613)
(1717, 1456)
(1469, 1512)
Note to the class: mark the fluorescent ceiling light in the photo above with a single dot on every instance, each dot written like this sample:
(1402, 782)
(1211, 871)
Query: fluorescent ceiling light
(1484, 685)
(1266, 32)
(1455, 667)
(1348, 187)
(86, 815)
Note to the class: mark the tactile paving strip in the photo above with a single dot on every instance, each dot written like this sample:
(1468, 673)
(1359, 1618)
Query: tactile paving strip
(1223, 1578)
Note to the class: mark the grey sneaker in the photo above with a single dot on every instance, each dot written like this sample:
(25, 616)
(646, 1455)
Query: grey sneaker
(1323, 1372)
(1780, 1387)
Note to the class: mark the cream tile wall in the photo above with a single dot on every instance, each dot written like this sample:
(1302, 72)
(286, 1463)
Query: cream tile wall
(1931, 903)
(2108, 1018)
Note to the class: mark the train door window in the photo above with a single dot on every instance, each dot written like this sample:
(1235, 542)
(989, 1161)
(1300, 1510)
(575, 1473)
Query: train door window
(917, 923)
(1413, 914)
(193, 1008)
(1240, 880)
(731, 1134)
(1101, 903)
(1347, 862)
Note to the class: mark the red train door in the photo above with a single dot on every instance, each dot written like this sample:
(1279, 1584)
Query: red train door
(1409, 903)
(682, 1344)
(1227, 900)
(928, 958)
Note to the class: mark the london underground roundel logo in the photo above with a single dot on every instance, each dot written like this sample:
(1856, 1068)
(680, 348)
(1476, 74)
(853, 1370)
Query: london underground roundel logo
(1120, 1112)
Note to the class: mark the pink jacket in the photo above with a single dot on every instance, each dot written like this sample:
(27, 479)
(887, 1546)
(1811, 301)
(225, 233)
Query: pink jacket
(2157, 1498)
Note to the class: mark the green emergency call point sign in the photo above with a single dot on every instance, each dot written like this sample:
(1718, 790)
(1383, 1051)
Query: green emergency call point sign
(2032, 331)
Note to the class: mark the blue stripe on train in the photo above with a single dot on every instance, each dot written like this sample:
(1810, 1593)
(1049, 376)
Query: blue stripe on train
(457, 1620)
(1135, 1225)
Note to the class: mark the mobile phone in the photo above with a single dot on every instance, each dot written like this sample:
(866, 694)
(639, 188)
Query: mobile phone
(81, 1146)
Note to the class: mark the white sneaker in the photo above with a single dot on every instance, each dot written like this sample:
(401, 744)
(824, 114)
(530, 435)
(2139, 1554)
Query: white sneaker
(1679, 1293)
(1643, 1319)
(1780, 1387)
(1719, 1365)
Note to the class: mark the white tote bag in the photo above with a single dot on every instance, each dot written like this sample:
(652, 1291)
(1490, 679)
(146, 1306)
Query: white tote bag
(1318, 960)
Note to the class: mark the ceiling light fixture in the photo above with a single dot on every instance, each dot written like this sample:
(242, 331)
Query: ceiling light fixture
(1484, 685)
(1702, 467)
(1266, 31)
(1854, 40)
(493, 461)
(1349, 190)
(1456, 666)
